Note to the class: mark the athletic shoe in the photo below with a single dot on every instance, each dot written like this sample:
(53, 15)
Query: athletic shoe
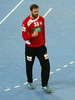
(31, 86)
(47, 89)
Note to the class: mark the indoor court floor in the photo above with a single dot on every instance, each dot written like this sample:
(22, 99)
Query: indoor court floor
(60, 42)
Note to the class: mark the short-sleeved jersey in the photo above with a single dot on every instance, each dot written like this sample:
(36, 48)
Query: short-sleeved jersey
(29, 26)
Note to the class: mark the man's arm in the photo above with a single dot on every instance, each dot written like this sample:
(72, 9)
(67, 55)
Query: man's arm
(25, 34)
(43, 29)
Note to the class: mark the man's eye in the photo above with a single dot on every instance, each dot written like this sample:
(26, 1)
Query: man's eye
(35, 11)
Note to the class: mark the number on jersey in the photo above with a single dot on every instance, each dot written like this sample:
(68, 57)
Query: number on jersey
(36, 24)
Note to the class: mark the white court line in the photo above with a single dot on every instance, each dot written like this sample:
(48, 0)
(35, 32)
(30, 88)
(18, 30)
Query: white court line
(16, 7)
(33, 80)
(47, 12)
(58, 69)
(72, 62)
(37, 79)
(26, 83)
(51, 72)
(7, 89)
(11, 12)
(17, 86)
(65, 66)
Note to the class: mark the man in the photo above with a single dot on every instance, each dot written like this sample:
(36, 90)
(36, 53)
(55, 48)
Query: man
(33, 32)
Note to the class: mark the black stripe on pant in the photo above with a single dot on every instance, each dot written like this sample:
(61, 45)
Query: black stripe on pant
(41, 53)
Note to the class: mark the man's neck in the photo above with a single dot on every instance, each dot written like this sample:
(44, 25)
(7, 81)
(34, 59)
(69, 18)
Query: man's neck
(32, 17)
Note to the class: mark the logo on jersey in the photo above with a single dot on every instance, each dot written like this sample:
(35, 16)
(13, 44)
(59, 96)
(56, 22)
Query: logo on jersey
(40, 23)
(39, 29)
(36, 24)
(24, 29)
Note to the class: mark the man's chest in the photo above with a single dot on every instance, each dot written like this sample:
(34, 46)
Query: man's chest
(36, 25)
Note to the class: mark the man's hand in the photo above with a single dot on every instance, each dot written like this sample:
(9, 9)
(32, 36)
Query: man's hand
(35, 34)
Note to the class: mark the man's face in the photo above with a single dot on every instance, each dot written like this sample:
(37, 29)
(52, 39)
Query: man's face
(35, 12)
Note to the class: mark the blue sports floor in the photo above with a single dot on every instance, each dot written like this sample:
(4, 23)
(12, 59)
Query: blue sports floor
(60, 42)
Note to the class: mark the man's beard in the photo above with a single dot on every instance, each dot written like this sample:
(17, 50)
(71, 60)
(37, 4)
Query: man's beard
(34, 16)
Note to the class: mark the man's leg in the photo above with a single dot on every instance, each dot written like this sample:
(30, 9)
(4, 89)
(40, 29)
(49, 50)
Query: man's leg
(44, 61)
(29, 57)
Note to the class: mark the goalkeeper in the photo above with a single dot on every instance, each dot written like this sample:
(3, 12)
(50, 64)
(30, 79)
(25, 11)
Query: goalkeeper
(33, 32)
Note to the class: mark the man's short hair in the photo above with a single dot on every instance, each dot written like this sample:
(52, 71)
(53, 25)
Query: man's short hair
(33, 6)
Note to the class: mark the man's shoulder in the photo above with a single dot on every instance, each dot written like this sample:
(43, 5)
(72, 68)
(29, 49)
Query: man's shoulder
(26, 19)
(41, 17)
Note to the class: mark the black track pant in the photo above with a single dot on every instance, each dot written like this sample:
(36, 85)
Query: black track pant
(41, 53)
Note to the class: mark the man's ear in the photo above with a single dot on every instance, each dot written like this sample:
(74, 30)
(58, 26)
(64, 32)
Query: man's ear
(31, 11)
